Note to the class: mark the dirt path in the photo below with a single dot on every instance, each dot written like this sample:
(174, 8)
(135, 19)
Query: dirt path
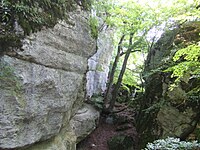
(123, 124)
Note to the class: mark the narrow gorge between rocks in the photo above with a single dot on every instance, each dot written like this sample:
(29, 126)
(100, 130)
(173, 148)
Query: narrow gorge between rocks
(99, 75)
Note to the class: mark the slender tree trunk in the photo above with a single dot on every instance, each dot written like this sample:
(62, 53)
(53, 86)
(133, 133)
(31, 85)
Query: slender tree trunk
(111, 74)
(118, 84)
(127, 54)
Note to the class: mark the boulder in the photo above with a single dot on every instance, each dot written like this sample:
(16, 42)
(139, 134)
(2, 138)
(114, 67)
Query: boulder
(174, 123)
(81, 124)
(84, 121)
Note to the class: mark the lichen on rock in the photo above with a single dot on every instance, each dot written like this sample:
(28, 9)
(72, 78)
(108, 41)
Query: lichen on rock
(51, 73)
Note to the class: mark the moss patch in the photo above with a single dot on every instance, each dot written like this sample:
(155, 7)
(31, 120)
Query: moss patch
(188, 34)
(32, 16)
(10, 82)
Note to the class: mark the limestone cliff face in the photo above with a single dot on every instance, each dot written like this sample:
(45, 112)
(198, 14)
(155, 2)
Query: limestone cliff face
(43, 87)
(171, 112)
(98, 64)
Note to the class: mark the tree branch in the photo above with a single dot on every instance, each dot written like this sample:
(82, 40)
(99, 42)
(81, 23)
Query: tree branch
(122, 53)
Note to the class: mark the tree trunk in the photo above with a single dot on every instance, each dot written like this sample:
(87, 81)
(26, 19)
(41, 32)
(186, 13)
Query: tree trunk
(118, 84)
(111, 74)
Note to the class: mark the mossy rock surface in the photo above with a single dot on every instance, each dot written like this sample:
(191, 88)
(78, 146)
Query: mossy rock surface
(121, 142)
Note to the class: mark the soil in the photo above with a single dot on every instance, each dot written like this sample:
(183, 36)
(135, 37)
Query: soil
(120, 123)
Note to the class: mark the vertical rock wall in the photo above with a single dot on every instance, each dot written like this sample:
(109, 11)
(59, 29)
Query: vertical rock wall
(43, 87)
(169, 112)
(99, 64)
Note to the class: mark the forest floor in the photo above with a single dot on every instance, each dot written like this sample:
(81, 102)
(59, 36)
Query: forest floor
(121, 124)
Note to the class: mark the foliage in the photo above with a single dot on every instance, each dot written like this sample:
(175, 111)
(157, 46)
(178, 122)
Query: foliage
(134, 20)
(97, 101)
(101, 9)
(127, 19)
(154, 94)
(100, 16)
(8, 79)
(171, 143)
(31, 16)
(188, 63)
(94, 25)
(139, 17)
(132, 74)
(197, 133)
(155, 107)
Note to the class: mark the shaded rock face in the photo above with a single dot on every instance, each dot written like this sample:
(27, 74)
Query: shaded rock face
(84, 122)
(171, 113)
(121, 142)
(175, 123)
(43, 87)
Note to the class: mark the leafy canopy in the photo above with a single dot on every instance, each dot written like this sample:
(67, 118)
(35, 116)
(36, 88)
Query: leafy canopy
(140, 17)
(188, 65)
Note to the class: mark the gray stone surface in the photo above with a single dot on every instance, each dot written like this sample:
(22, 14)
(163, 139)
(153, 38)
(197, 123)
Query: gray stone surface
(45, 85)
(99, 64)
(84, 121)
(173, 122)
(66, 140)
(44, 107)
(81, 124)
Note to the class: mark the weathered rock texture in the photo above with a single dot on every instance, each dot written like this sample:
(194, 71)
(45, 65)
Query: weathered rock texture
(43, 87)
(84, 122)
(99, 64)
(165, 112)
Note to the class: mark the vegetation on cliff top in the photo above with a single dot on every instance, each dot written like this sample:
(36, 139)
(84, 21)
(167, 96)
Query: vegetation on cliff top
(19, 18)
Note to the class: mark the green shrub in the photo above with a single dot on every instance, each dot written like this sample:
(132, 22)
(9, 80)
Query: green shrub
(171, 143)
(94, 27)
